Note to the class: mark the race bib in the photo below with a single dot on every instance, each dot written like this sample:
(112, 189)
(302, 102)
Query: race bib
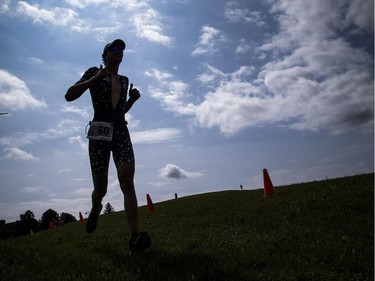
(100, 131)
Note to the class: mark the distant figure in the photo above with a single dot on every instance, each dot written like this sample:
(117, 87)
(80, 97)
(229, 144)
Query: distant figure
(175, 196)
(241, 187)
(108, 132)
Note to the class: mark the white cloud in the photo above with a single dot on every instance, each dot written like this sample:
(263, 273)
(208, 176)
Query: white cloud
(84, 3)
(175, 172)
(145, 20)
(132, 122)
(235, 14)
(82, 192)
(211, 76)
(80, 179)
(289, 95)
(244, 47)
(35, 189)
(65, 127)
(18, 154)
(81, 144)
(35, 60)
(172, 93)
(14, 93)
(336, 103)
(208, 41)
(316, 81)
(326, 82)
(156, 135)
(158, 75)
(360, 13)
(83, 111)
(148, 26)
(63, 171)
(4, 6)
(229, 105)
(67, 18)
(55, 16)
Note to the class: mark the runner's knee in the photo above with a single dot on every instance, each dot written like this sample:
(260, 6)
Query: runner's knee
(126, 184)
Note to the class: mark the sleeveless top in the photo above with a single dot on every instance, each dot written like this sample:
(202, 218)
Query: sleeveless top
(101, 98)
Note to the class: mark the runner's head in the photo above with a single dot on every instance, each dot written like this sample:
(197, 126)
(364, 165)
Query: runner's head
(117, 46)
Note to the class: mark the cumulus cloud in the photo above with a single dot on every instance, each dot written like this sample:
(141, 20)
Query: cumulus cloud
(235, 13)
(55, 16)
(148, 26)
(171, 92)
(18, 154)
(15, 95)
(226, 105)
(208, 41)
(359, 13)
(66, 18)
(326, 82)
(316, 79)
(175, 172)
(146, 21)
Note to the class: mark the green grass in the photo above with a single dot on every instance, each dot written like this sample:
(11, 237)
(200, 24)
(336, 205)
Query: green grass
(312, 231)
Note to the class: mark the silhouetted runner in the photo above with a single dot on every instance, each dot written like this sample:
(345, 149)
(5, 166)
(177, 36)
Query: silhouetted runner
(108, 132)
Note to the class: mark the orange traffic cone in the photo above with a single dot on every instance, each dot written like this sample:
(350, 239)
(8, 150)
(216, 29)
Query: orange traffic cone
(150, 205)
(81, 218)
(51, 226)
(268, 186)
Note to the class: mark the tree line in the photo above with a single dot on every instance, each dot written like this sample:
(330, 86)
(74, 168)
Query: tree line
(28, 224)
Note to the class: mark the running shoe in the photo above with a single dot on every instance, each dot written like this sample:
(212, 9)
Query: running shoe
(139, 242)
(92, 220)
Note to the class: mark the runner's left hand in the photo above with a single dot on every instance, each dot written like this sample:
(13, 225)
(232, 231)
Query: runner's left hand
(134, 93)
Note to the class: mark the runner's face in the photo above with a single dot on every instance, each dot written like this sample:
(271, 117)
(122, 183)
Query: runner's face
(115, 54)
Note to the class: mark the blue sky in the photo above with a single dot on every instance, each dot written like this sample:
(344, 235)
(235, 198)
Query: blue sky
(228, 88)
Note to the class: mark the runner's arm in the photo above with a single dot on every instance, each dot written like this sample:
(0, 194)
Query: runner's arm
(75, 91)
(134, 95)
(129, 104)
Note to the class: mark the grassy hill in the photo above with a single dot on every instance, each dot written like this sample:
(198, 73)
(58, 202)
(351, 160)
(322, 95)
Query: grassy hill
(321, 230)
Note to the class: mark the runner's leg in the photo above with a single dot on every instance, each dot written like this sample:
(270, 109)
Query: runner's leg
(125, 173)
(99, 153)
(100, 190)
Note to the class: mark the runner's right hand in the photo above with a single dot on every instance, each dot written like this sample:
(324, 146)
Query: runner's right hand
(102, 72)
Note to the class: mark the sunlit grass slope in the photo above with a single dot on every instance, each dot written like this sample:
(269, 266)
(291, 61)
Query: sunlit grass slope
(321, 230)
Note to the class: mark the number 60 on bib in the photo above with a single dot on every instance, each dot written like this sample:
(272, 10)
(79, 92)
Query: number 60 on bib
(100, 131)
